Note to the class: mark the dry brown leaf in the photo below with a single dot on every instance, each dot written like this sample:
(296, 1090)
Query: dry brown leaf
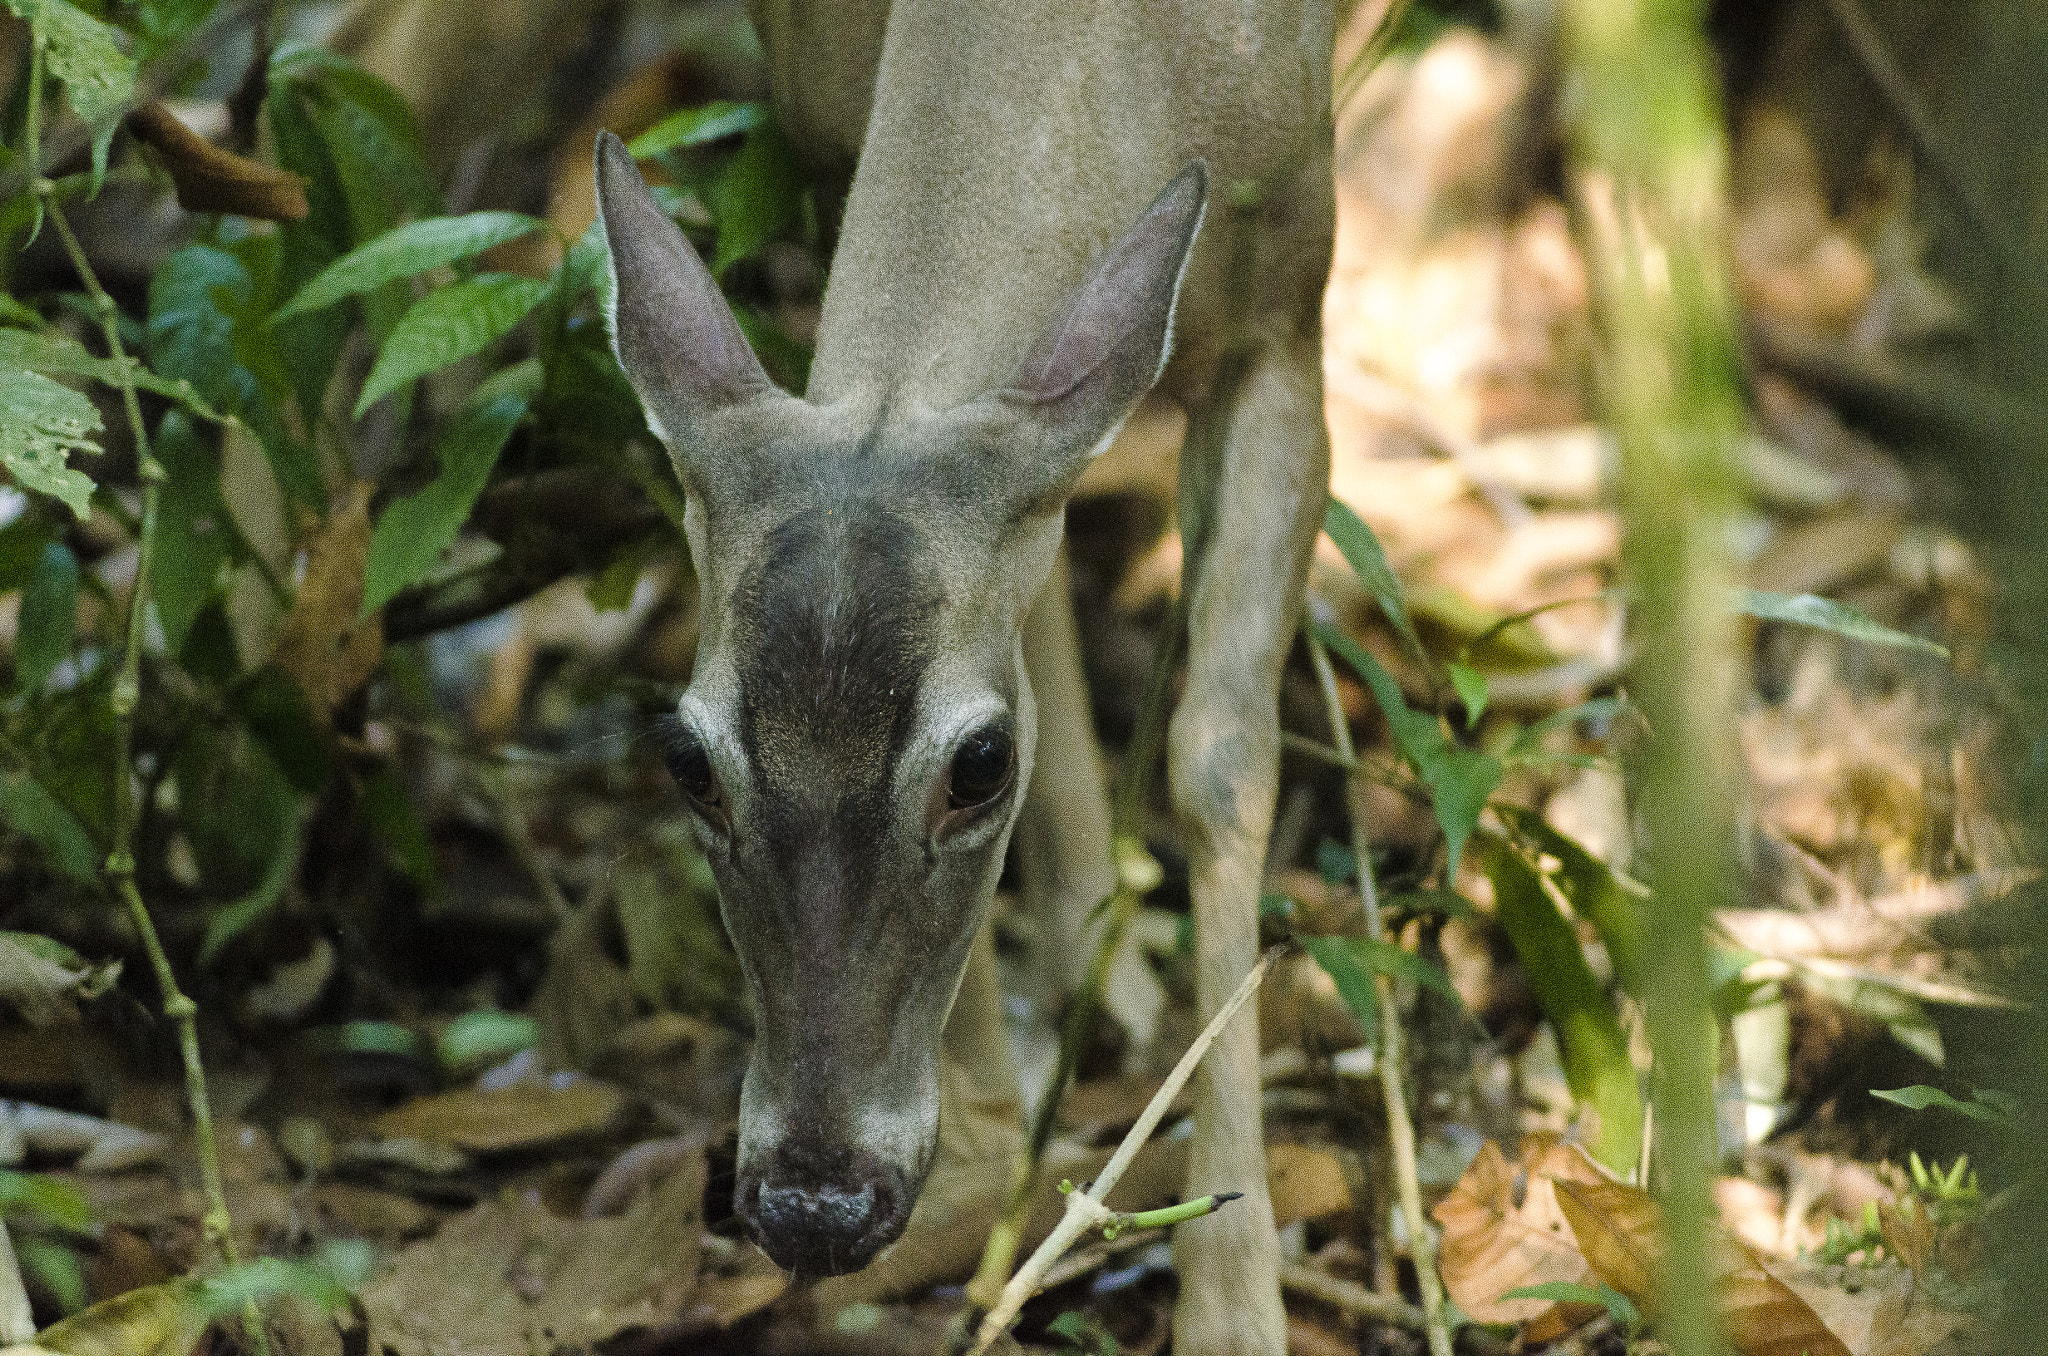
(1885, 1315)
(509, 1278)
(324, 646)
(1766, 1317)
(521, 1115)
(209, 179)
(1503, 1230)
(1617, 1231)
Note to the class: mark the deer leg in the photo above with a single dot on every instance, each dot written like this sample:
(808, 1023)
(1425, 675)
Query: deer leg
(1267, 480)
(1063, 832)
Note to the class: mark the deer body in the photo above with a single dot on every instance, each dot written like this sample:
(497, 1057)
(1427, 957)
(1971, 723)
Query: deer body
(861, 725)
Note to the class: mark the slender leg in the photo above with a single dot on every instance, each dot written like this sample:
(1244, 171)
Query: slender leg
(1222, 756)
(1063, 833)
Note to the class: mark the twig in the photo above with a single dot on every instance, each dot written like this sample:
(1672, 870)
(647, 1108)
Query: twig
(1136, 874)
(1353, 1298)
(1084, 1207)
(1400, 1131)
(126, 694)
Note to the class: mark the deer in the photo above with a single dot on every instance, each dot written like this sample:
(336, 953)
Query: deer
(1055, 209)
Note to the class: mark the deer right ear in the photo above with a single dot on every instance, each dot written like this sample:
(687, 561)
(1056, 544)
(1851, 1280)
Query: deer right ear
(670, 325)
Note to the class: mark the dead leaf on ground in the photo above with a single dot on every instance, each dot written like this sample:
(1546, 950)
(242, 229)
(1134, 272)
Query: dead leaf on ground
(1886, 1314)
(521, 1115)
(324, 645)
(508, 1277)
(1503, 1230)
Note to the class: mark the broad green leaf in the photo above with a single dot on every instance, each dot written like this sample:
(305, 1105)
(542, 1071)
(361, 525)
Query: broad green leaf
(1442, 903)
(1613, 905)
(41, 424)
(1828, 615)
(376, 159)
(54, 1267)
(758, 197)
(163, 24)
(787, 361)
(1589, 1035)
(414, 530)
(205, 309)
(36, 815)
(391, 814)
(406, 250)
(1362, 551)
(86, 55)
(274, 709)
(696, 127)
(448, 325)
(49, 616)
(1353, 980)
(44, 352)
(1470, 685)
(193, 531)
(1459, 779)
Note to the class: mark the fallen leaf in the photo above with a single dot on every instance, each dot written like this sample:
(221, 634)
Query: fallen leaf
(508, 1277)
(1503, 1230)
(157, 1320)
(521, 1115)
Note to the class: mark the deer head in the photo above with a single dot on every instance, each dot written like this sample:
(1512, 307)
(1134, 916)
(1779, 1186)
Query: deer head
(858, 731)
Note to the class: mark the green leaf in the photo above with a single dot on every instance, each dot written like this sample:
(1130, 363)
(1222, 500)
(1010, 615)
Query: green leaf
(42, 352)
(264, 1277)
(1470, 685)
(477, 1040)
(1828, 615)
(192, 530)
(446, 326)
(1589, 1035)
(99, 78)
(1611, 903)
(41, 818)
(1084, 1334)
(1459, 779)
(44, 1200)
(758, 197)
(1618, 1306)
(1353, 980)
(1919, 1097)
(696, 127)
(376, 161)
(414, 531)
(1442, 903)
(275, 818)
(41, 424)
(1527, 746)
(1368, 560)
(49, 617)
(406, 250)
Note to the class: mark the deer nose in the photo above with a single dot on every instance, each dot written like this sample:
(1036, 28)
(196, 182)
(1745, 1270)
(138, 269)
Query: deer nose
(824, 1227)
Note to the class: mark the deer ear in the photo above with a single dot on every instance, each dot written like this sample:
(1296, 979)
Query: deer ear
(674, 334)
(1090, 367)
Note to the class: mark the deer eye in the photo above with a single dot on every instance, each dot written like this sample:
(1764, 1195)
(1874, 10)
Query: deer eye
(982, 768)
(690, 765)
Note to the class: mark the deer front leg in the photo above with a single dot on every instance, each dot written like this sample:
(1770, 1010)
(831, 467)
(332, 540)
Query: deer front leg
(1063, 832)
(1244, 597)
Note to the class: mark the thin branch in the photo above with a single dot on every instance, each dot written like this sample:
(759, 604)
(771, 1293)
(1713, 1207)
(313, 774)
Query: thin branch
(1400, 1130)
(1084, 1207)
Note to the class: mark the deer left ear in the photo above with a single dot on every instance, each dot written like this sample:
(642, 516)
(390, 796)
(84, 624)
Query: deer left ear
(1090, 367)
(674, 333)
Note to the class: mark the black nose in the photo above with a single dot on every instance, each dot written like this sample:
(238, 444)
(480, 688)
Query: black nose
(824, 1224)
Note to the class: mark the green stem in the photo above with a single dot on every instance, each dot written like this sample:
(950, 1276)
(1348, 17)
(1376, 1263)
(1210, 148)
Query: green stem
(1649, 179)
(1400, 1130)
(217, 1225)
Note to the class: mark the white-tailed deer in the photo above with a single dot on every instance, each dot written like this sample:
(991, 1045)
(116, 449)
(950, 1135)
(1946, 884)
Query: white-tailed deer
(856, 739)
